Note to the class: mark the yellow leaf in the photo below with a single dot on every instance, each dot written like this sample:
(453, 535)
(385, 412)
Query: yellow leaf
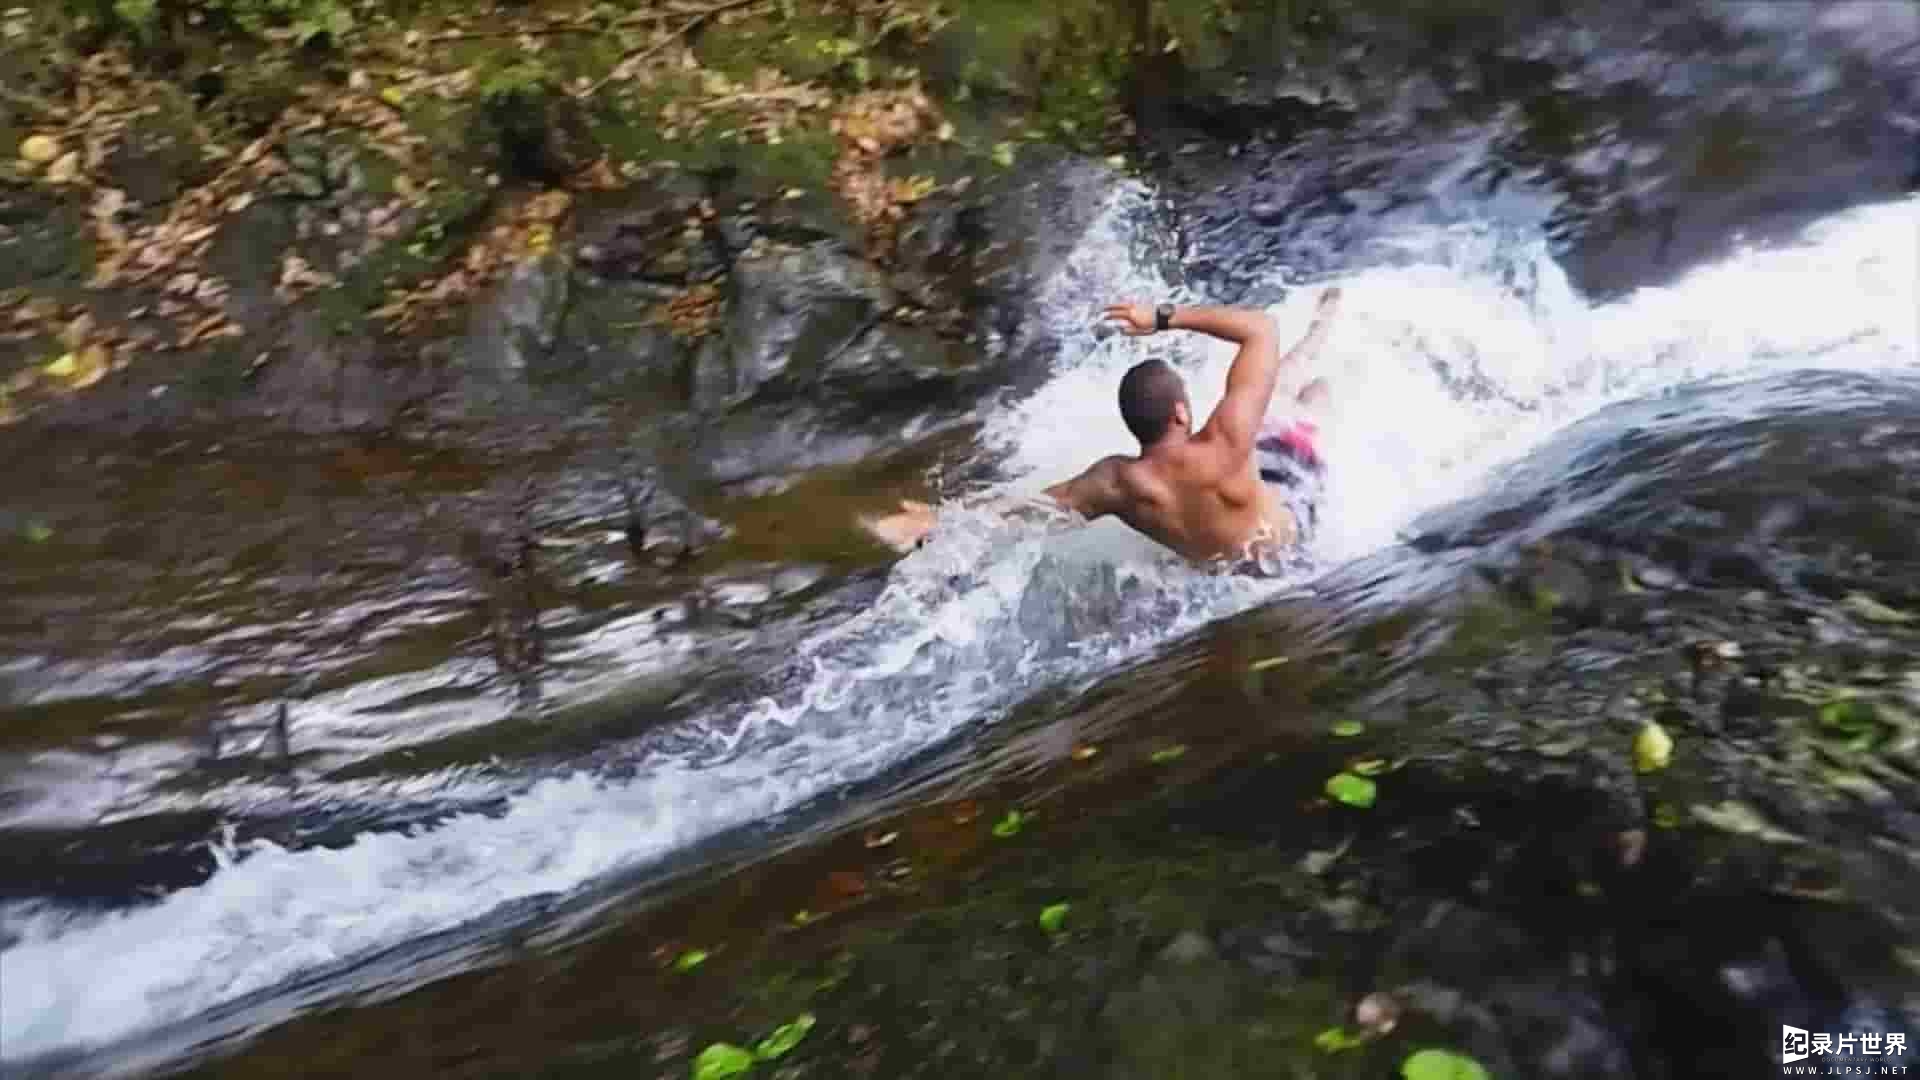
(1652, 748)
(64, 367)
(39, 149)
(94, 363)
(64, 168)
(394, 96)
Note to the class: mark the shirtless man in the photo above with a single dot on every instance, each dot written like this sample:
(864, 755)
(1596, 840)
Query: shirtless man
(1236, 489)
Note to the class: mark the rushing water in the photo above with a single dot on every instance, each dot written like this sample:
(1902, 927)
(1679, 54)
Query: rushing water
(1457, 351)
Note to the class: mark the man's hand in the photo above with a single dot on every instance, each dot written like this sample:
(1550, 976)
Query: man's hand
(1136, 320)
(903, 530)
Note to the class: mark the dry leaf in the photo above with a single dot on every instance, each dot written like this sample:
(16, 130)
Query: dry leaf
(39, 149)
(65, 168)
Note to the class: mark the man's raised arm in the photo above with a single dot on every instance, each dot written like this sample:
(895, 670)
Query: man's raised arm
(1256, 370)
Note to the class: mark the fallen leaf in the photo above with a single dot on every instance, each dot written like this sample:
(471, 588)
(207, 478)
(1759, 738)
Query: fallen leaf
(1355, 791)
(39, 149)
(877, 839)
(1268, 663)
(784, 1038)
(1347, 729)
(689, 960)
(721, 1061)
(107, 203)
(1083, 753)
(1335, 1039)
(1743, 820)
(1168, 755)
(65, 168)
(1053, 917)
(1369, 767)
(1441, 1065)
(1010, 825)
(1652, 748)
(38, 533)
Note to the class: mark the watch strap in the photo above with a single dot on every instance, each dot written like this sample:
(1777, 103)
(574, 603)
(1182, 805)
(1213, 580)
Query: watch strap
(1163, 317)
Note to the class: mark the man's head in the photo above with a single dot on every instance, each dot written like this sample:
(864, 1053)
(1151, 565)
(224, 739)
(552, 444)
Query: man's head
(1153, 401)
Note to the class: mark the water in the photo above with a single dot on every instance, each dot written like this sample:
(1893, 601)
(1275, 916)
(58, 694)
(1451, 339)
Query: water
(1455, 355)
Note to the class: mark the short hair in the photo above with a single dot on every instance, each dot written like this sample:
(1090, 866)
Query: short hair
(1148, 393)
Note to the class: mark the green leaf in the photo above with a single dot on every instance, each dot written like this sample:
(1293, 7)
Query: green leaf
(1010, 825)
(1003, 154)
(1335, 1039)
(1850, 717)
(784, 1038)
(689, 960)
(1269, 662)
(1369, 767)
(64, 367)
(720, 1061)
(1355, 791)
(803, 917)
(1441, 1065)
(38, 533)
(1168, 754)
(1347, 729)
(1652, 748)
(1053, 917)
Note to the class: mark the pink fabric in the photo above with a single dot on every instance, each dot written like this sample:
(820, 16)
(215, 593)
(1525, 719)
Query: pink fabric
(1299, 435)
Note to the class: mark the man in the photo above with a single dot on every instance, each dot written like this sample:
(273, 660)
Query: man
(1237, 490)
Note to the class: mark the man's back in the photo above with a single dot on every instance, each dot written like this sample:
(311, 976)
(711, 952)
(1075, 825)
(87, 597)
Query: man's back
(1203, 499)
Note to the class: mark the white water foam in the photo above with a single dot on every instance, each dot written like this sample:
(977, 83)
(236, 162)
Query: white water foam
(1463, 353)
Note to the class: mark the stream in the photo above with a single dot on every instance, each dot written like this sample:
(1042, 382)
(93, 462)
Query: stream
(257, 765)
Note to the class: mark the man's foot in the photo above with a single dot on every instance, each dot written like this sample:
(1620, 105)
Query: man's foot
(904, 530)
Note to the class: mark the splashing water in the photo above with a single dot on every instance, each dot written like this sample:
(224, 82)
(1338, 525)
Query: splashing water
(1451, 358)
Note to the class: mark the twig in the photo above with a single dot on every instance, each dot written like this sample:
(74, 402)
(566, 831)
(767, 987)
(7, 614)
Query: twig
(700, 16)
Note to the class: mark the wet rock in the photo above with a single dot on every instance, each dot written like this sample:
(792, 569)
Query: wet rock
(511, 335)
(652, 231)
(1188, 947)
(788, 313)
(610, 346)
(1656, 160)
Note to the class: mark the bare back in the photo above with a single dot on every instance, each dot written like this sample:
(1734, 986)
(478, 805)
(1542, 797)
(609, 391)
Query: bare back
(1203, 500)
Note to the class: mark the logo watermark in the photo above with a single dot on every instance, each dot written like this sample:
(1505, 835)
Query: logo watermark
(1870, 1053)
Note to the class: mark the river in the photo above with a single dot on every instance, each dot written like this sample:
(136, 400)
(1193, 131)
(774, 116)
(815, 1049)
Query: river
(1466, 368)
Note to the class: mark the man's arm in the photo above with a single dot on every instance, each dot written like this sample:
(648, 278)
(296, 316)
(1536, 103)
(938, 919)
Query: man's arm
(1256, 369)
(1095, 493)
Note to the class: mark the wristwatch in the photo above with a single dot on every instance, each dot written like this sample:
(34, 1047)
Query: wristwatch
(1163, 317)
